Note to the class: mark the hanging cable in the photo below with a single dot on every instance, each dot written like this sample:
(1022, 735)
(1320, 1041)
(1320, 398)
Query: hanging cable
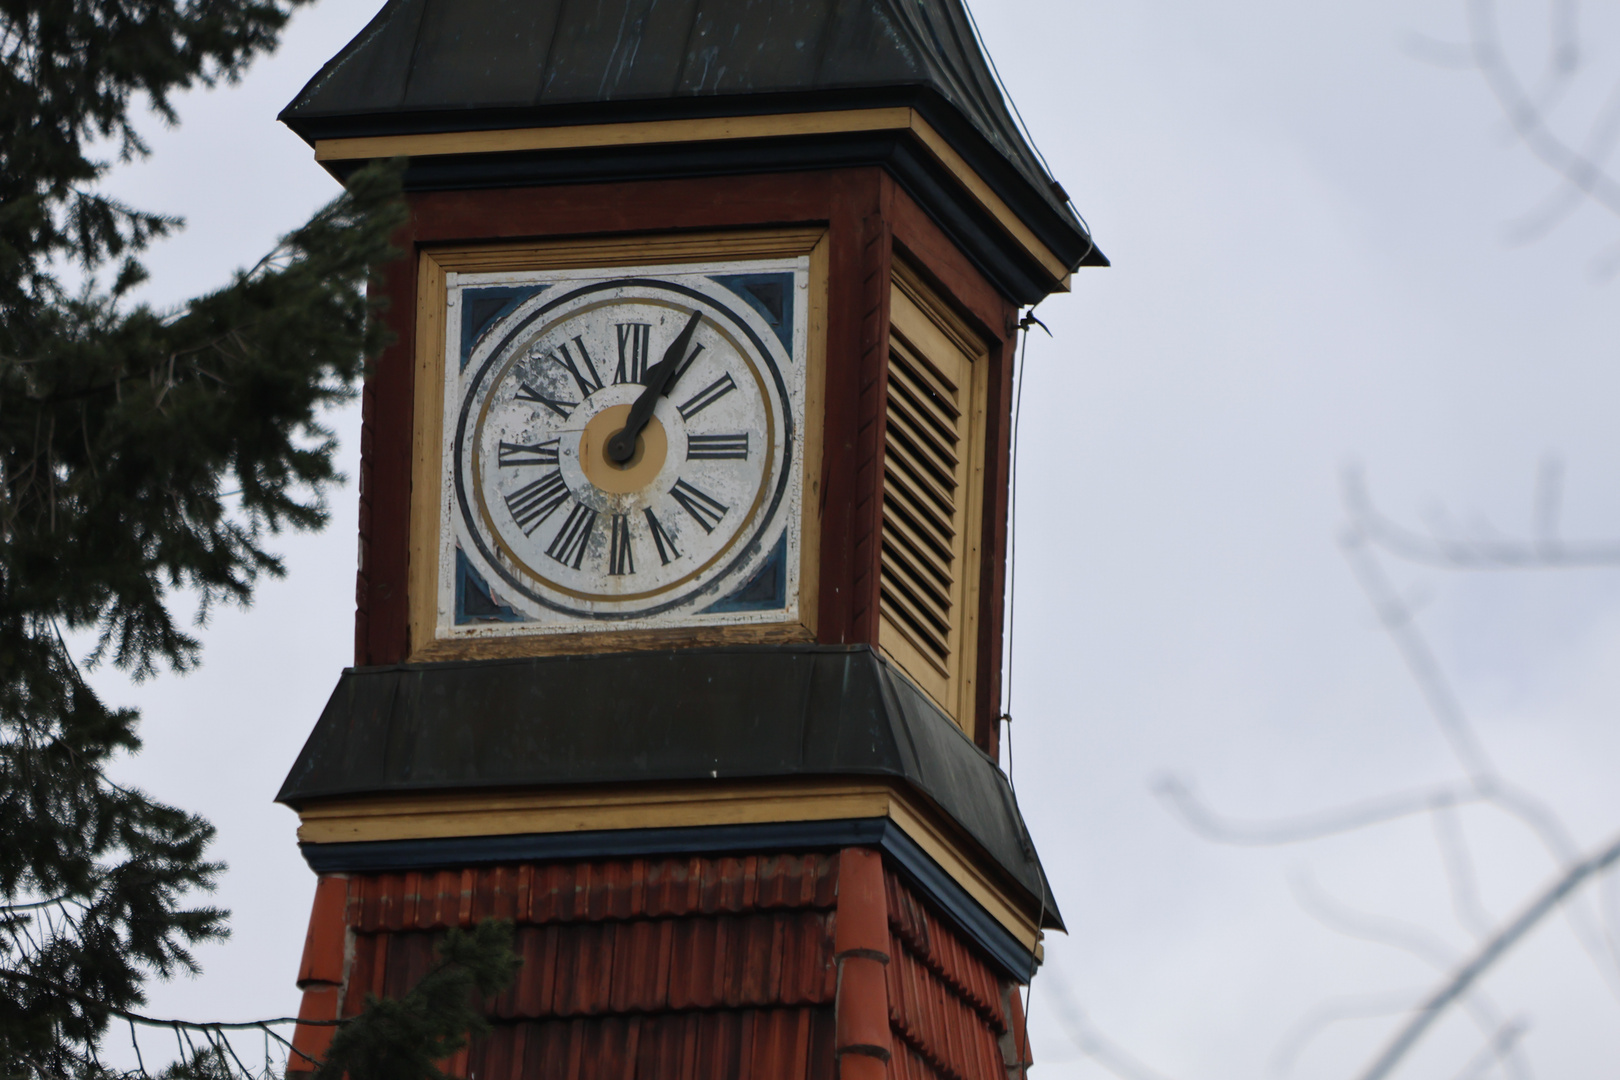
(1029, 320)
(1021, 1048)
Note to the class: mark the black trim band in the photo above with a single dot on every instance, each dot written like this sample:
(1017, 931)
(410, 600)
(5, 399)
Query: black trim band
(1026, 190)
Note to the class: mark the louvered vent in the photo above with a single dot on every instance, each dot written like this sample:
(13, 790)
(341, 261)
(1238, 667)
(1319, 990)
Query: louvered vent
(920, 500)
(931, 453)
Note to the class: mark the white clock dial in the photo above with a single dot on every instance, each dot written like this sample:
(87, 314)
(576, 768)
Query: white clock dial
(557, 529)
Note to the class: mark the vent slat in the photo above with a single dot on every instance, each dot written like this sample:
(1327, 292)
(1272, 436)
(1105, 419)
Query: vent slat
(926, 548)
(924, 405)
(920, 371)
(939, 453)
(918, 582)
(931, 624)
(926, 645)
(916, 475)
(924, 513)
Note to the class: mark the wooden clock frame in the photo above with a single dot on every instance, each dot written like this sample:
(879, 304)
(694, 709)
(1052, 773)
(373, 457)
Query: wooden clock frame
(427, 470)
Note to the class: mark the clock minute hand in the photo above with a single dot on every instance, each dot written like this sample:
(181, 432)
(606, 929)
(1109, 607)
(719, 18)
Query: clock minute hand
(622, 447)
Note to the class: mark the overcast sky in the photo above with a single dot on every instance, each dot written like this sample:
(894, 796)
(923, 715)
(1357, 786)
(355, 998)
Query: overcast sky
(1311, 230)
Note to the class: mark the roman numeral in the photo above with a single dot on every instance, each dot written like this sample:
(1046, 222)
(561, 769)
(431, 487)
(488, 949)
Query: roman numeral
(513, 454)
(621, 560)
(534, 502)
(568, 546)
(661, 539)
(717, 447)
(684, 365)
(707, 396)
(564, 409)
(588, 381)
(705, 509)
(634, 344)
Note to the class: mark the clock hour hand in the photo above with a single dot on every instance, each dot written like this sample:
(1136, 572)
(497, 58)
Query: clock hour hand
(622, 447)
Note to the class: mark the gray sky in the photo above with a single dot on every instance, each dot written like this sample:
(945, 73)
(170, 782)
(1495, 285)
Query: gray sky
(1308, 226)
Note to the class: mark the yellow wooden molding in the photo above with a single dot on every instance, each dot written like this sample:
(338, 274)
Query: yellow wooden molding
(427, 432)
(987, 198)
(706, 129)
(468, 814)
(638, 250)
(703, 129)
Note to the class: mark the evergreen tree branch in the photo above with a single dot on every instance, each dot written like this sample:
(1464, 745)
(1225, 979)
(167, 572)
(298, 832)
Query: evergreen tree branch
(107, 503)
(409, 1036)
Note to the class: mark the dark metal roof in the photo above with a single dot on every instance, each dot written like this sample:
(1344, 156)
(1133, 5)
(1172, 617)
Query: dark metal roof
(436, 65)
(697, 715)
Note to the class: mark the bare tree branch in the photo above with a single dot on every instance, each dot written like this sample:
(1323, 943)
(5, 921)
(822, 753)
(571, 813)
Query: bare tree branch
(1598, 941)
(1085, 1036)
(1585, 174)
(1178, 794)
(1488, 954)
(1408, 938)
(1460, 877)
(1396, 618)
(1545, 552)
(1503, 1040)
(1324, 1015)
(1380, 929)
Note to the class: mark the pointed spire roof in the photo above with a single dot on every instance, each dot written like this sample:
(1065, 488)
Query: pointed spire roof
(438, 65)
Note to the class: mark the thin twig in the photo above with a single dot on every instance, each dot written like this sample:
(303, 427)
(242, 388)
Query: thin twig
(152, 1021)
(64, 898)
(1526, 119)
(1546, 552)
(1179, 795)
(1308, 1027)
(1504, 1039)
(1399, 621)
(1410, 939)
(134, 1041)
(1487, 956)
(1461, 879)
(1087, 1039)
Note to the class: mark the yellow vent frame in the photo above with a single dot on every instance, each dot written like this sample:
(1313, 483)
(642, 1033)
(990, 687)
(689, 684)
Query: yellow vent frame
(933, 495)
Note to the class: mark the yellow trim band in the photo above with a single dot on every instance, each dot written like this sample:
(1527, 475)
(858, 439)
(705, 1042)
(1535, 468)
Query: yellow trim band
(444, 816)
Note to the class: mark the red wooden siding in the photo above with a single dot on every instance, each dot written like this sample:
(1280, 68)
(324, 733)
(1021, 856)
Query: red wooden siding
(793, 1044)
(708, 968)
(946, 1006)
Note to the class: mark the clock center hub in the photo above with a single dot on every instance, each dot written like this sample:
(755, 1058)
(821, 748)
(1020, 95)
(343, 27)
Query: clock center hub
(652, 447)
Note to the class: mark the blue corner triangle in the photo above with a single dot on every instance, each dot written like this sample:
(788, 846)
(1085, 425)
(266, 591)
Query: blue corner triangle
(475, 601)
(481, 308)
(765, 591)
(769, 294)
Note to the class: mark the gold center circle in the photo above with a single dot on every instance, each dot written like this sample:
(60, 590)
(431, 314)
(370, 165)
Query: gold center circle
(652, 447)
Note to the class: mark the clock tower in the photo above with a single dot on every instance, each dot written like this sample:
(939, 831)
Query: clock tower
(684, 489)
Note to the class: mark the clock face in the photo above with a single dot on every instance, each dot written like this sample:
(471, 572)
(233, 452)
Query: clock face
(623, 448)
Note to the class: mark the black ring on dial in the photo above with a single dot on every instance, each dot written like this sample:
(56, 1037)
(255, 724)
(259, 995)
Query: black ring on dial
(745, 552)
